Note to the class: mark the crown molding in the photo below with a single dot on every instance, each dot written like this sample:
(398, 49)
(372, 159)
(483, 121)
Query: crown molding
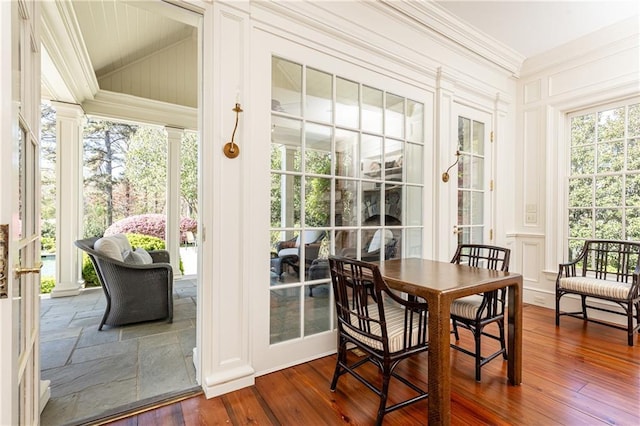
(427, 13)
(63, 41)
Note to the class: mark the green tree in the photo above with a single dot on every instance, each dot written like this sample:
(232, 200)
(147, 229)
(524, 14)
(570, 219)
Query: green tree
(189, 174)
(106, 145)
(145, 176)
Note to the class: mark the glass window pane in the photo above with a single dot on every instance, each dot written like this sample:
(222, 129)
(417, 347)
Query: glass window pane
(608, 224)
(318, 149)
(633, 154)
(394, 116)
(317, 304)
(285, 200)
(371, 202)
(633, 223)
(393, 159)
(464, 207)
(634, 120)
(346, 153)
(583, 130)
(478, 208)
(610, 157)
(415, 121)
(286, 86)
(346, 243)
(319, 96)
(346, 203)
(393, 205)
(414, 206)
(582, 160)
(464, 171)
(581, 192)
(609, 191)
(347, 103)
(412, 246)
(371, 153)
(633, 190)
(478, 138)
(580, 221)
(285, 314)
(477, 235)
(371, 110)
(286, 144)
(478, 172)
(611, 124)
(317, 201)
(464, 134)
(413, 161)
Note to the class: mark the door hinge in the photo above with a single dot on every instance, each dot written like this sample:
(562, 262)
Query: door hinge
(491, 136)
(491, 185)
(490, 234)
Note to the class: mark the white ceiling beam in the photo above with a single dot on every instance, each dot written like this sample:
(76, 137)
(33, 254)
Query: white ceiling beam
(63, 41)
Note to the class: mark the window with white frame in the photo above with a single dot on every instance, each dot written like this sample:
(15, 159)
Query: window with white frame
(346, 179)
(604, 174)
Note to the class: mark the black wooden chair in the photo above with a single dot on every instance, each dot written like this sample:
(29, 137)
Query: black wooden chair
(477, 311)
(387, 328)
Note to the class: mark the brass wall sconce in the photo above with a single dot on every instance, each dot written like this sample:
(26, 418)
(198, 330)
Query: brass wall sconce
(231, 150)
(445, 175)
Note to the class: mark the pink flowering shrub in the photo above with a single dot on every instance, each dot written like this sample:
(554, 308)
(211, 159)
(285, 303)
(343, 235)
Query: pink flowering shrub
(149, 224)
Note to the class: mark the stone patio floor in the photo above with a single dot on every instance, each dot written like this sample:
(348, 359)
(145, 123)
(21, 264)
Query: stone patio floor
(94, 373)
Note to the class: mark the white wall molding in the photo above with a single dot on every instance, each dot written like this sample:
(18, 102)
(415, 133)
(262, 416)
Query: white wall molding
(111, 105)
(430, 15)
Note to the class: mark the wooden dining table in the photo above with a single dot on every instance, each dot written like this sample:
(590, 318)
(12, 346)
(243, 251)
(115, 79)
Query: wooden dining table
(439, 283)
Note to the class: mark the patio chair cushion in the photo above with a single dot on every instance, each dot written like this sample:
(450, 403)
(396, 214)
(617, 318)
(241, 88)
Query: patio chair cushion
(113, 246)
(138, 256)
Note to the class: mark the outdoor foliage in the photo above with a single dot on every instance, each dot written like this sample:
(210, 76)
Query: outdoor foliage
(136, 240)
(604, 185)
(47, 284)
(149, 224)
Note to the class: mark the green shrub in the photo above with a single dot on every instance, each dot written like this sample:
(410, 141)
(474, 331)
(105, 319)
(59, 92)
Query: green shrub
(48, 244)
(88, 272)
(145, 241)
(47, 284)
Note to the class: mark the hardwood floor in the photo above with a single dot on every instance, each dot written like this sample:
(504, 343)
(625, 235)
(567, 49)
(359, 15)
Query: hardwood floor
(576, 374)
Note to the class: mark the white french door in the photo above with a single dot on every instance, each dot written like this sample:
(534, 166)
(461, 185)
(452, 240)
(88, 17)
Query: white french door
(19, 214)
(346, 169)
(472, 207)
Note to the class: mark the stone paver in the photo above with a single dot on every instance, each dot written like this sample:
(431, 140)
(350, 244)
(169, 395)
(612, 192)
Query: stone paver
(93, 372)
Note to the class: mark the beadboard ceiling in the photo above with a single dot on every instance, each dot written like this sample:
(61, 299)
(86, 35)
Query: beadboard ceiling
(113, 35)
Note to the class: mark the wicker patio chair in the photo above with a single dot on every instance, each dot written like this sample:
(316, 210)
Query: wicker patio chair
(135, 293)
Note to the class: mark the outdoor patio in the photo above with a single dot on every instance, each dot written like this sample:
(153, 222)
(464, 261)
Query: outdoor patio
(94, 373)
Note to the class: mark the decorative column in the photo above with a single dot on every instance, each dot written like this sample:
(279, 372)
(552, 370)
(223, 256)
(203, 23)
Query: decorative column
(69, 205)
(172, 232)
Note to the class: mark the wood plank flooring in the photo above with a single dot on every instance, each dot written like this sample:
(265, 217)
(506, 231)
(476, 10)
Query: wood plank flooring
(577, 374)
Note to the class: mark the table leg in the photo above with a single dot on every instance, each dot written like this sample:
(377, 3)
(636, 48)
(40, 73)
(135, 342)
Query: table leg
(439, 374)
(514, 343)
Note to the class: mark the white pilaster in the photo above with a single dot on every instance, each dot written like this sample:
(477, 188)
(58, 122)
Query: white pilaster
(68, 199)
(172, 236)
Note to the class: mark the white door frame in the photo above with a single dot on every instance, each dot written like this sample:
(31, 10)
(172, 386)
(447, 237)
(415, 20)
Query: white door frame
(19, 312)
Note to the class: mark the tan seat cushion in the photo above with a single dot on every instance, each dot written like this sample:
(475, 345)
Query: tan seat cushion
(466, 307)
(597, 287)
(394, 315)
